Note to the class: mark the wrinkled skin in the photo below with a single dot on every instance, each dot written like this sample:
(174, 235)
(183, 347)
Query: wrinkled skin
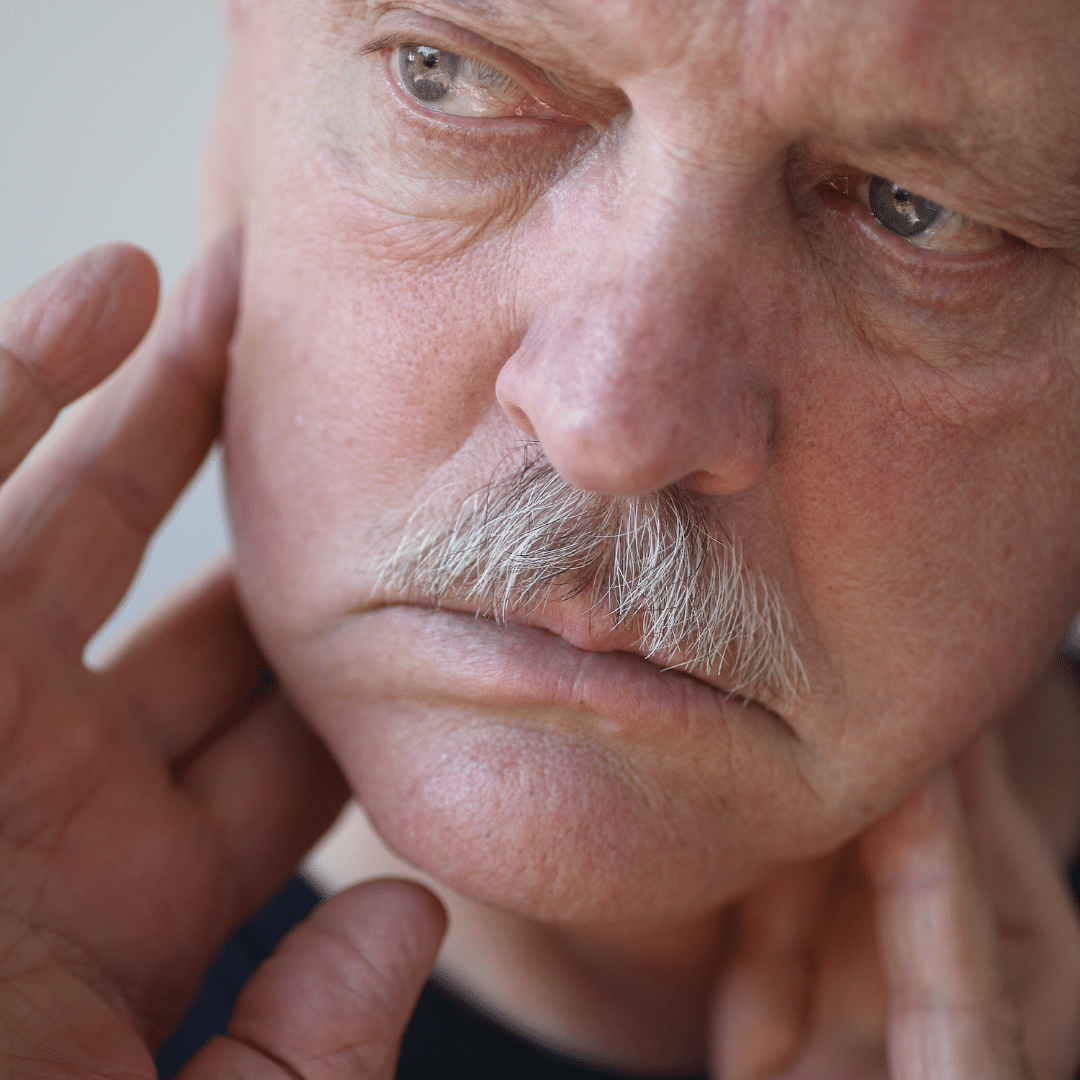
(662, 270)
(147, 806)
(661, 288)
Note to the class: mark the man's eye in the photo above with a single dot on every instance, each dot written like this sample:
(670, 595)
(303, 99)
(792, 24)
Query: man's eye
(924, 223)
(452, 84)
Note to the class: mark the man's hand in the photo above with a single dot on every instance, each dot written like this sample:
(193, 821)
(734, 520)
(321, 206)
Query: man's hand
(146, 809)
(944, 947)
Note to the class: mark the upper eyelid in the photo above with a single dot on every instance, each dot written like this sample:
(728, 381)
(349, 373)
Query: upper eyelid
(428, 30)
(392, 42)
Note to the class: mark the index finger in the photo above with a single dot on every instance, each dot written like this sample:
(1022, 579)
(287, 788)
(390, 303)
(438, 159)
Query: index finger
(76, 519)
(62, 335)
(950, 1017)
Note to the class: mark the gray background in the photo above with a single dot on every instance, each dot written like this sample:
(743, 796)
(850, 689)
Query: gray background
(103, 107)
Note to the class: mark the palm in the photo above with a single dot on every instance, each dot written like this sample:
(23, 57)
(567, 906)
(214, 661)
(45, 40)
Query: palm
(84, 775)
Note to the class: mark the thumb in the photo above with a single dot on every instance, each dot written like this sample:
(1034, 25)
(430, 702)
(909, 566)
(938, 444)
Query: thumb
(333, 1001)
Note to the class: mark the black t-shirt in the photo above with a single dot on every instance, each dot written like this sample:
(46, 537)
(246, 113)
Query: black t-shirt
(451, 1041)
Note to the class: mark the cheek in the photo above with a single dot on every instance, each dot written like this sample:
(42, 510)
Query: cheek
(937, 543)
(355, 383)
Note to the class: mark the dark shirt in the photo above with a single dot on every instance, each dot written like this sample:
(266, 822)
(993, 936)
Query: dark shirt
(445, 1040)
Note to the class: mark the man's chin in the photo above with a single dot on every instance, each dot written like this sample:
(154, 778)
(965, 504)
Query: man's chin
(563, 785)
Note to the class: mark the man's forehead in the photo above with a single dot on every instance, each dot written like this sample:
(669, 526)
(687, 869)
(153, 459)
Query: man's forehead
(662, 32)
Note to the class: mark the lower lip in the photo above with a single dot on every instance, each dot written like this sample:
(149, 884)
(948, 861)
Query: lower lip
(465, 657)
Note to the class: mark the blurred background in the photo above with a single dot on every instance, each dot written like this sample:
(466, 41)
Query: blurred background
(103, 107)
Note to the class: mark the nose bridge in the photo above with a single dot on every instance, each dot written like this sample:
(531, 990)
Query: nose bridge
(675, 232)
(637, 375)
(662, 296)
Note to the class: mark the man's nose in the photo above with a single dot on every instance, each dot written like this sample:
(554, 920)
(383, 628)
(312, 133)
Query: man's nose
(641, 374)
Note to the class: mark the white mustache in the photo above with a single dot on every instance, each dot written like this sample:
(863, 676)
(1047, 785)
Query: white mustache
(650, 563)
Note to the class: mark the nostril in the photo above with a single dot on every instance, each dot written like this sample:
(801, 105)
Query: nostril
(519, 417)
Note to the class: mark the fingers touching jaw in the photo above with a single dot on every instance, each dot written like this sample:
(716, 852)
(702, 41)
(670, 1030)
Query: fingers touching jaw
(954, 950)
(1037, 919)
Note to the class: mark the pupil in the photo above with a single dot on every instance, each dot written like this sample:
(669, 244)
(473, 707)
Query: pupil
(899, 210)
(428, 74)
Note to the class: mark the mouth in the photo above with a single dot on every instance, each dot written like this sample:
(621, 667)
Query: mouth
(449, 724)
(542, 677)
(580, 624)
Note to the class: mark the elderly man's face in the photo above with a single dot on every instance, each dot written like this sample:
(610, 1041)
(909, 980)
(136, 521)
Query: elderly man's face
(740, 336)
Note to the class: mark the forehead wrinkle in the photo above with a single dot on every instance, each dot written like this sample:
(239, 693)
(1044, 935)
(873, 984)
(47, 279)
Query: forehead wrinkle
(487, 9)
